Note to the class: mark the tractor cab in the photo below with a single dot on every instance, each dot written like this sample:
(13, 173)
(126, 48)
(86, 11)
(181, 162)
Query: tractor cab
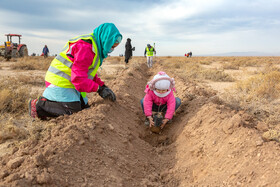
(14, 49)
(10, 42)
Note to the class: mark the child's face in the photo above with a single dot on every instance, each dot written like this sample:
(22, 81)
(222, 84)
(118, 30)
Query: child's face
(161, 91)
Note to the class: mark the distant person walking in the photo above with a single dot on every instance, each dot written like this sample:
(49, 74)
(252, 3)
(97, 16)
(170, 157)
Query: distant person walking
(149, 51)
(46, 51)
(190, 54)
(128, 50)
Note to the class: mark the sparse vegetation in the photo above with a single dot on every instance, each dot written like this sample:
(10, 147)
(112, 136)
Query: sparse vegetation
(210, 137)
(114, 59)
(195, 71)
(259, 95)
(33, 63)
(14, 95)
(205, 62)
(229, 65)
(11, 130)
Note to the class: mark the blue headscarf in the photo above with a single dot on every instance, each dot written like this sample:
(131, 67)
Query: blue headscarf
(106, 36)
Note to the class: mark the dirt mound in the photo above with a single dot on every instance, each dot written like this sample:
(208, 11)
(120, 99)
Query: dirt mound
(108, 145)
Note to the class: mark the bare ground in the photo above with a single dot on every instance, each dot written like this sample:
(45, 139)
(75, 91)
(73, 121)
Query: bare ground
(207, 144)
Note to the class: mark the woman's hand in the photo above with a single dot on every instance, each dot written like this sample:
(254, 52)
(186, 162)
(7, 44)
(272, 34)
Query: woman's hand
(106, 93)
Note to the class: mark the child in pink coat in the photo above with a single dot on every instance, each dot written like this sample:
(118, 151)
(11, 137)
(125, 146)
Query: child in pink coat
(159, 98)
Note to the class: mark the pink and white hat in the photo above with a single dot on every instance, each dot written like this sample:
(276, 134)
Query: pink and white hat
(161, 81)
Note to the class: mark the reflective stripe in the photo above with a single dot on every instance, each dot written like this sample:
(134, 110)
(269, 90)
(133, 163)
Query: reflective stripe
(84, 36)
(64, 61)
(92, 69)
(150, 52)
(69, 51)
(65, 48)
(89, 72)
(59, 73)
(96, 60)
(93, 49)
(62, 58)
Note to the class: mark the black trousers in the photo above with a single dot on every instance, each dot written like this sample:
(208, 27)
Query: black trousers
(48, 108)
(126, 60)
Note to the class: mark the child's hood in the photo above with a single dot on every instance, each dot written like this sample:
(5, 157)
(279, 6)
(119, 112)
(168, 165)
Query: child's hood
(161, 81)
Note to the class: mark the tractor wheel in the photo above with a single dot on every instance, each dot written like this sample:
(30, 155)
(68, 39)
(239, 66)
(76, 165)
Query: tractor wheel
(23, 51)
(7, 54)
(15, 53)
(8, 58)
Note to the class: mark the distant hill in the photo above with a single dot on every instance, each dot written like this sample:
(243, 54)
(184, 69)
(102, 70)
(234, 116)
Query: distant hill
(250, 53)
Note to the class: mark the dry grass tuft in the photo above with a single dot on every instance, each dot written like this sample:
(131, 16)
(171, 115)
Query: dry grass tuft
(33, 63)
(205, 62)
(264, 86)
(20, 129)
(114, 60)
(230, 66)
(14, 96)
(236, 62)
(271, 135)
(11, 130)
(193, 70)
(259, 95)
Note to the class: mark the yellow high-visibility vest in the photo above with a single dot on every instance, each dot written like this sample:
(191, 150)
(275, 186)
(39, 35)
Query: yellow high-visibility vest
(59, 72)
(150, 52)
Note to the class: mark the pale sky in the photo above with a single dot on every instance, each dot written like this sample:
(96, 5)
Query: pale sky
(205, 27)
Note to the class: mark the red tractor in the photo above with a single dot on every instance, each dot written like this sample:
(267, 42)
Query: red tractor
(13, 50)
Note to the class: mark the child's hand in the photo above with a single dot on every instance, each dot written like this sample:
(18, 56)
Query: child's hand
(164, 123)
(151, 121)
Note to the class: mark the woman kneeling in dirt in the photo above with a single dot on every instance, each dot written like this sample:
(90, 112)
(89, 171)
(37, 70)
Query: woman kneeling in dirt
(72, 74)
(159, 98)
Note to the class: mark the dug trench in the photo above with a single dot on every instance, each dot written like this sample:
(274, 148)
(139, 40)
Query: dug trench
(207, 143)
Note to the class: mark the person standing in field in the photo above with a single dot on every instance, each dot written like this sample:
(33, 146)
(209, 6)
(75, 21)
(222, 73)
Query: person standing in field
(149, 52)
(128, 50)
(72, 74)
(46, 51)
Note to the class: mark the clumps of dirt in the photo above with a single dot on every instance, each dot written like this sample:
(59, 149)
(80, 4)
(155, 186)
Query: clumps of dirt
(100, 145)
(219, 146)
(207, 143)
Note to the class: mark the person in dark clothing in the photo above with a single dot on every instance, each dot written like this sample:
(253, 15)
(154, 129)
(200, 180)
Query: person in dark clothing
(128, 50)
(190, 54)
(45, 51)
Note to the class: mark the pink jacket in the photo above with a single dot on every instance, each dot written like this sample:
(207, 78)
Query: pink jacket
(82, 58)
(151, 98)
